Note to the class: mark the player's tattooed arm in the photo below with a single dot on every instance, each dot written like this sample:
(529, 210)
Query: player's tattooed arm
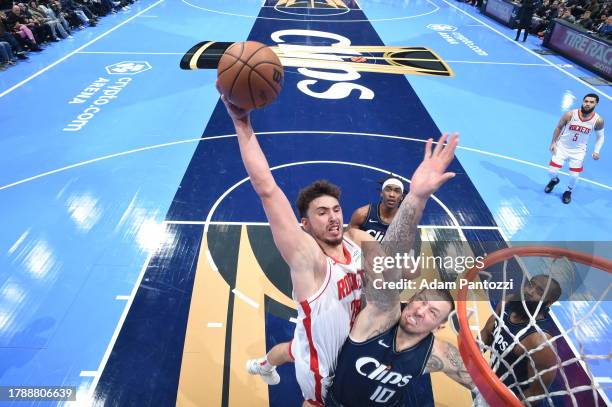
(445, 358)
(402, 233)
(399, 238)
(382, 309)
(567, 116)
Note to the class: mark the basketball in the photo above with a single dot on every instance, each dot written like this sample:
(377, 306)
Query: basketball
(250, 75)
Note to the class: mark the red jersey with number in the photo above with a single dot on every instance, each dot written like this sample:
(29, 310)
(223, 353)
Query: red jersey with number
(575, 134)
(324, 322)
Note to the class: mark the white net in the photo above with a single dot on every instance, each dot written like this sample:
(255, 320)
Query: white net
(579, 343)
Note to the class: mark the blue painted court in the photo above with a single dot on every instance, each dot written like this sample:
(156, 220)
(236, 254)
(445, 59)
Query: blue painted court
(131, 235)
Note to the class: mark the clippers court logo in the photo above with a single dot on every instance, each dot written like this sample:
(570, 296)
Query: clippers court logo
(442, 27)
(336, 62)
(377, 59)
(128, 68)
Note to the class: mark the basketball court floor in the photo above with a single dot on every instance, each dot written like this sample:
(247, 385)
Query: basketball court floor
(135, 259)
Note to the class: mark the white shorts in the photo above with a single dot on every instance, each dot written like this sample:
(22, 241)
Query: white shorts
(575, 157)
(313, 385)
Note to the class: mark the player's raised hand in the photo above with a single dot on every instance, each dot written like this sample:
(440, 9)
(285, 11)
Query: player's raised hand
(431, 173)
(595, 156)
(236, 113)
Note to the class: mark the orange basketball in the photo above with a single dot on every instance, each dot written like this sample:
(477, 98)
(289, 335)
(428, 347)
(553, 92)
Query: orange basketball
(250, 75)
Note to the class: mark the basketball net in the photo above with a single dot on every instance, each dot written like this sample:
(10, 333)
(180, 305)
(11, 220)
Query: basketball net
(586, 297)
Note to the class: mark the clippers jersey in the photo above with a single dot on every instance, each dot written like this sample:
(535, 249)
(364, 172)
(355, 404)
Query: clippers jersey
(502, 339)
(372, 373)
(373, 224)
(575, 133)
(324, 322)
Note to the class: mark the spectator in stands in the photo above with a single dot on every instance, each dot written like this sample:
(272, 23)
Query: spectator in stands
(567, 15)
(605, 29)
(82, 12)
(7, 36)
(82, 4)
(585, 20)
(76, 17)
(6, 55)
(19, 25)
(41, 31)
(53, 24)
(594, 9)
(52, 14)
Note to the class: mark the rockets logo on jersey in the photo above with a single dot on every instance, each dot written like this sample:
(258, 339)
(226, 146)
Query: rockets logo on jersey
(579, 129)
(350, 283)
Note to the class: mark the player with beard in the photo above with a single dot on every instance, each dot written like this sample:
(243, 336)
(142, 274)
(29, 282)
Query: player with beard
(570, 140)
(374, 218)
(324, 262)
(390, 345)
(541, 291)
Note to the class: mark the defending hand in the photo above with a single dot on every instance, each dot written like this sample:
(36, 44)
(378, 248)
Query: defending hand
(430, 175)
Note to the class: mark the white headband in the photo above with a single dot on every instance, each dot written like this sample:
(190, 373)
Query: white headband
(395, 182)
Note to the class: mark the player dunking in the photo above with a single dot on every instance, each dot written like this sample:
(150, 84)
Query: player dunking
(324, 263)
(570, 140)
(375, 218)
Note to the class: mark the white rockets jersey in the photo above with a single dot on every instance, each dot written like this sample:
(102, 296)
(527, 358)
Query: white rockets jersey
(575, 134)
(324, 322)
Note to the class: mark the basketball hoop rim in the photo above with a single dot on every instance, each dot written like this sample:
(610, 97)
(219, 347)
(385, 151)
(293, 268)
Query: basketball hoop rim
(491, 387)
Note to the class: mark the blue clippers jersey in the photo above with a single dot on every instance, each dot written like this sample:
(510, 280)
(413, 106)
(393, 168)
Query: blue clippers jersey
(502, 339)
(374, 224)
(372, 373)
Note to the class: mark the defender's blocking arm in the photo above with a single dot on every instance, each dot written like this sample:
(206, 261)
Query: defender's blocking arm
(382, 308)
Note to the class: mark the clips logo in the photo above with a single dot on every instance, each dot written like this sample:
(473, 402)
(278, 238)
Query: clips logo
(379, 59)
(128, 67)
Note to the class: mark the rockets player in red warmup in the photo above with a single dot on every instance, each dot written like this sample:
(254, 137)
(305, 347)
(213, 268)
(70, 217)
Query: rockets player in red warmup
(570, 140)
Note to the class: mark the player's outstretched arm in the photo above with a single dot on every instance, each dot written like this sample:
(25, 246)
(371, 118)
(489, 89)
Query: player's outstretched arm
(402, 233)
(297, 248)
(445, 358)
(382, 309)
